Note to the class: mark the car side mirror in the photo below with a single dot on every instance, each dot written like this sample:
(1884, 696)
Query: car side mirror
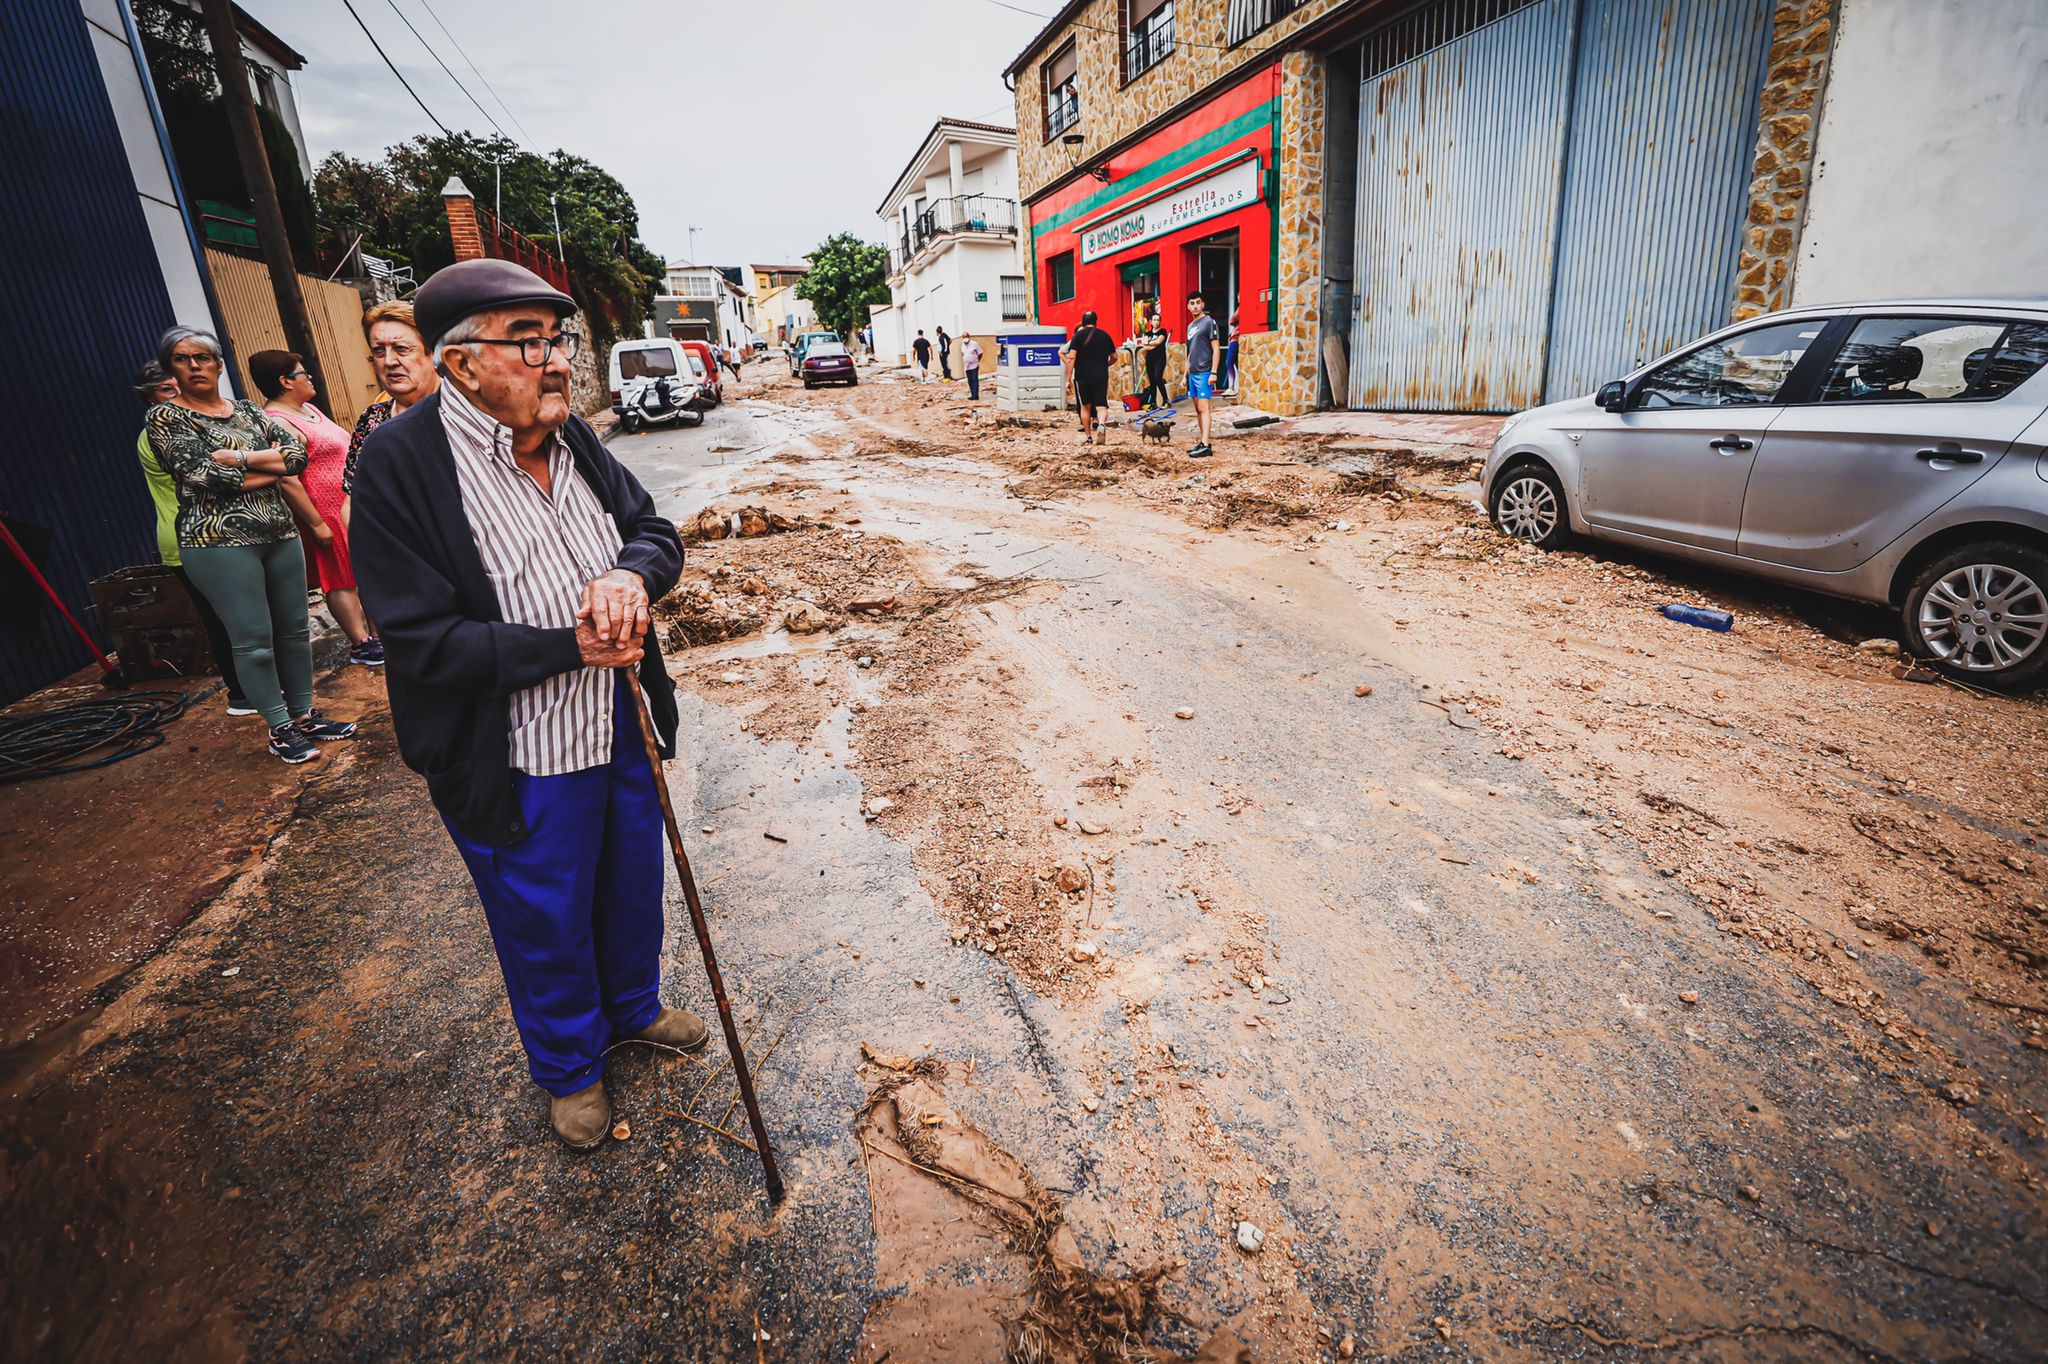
(1612, 395)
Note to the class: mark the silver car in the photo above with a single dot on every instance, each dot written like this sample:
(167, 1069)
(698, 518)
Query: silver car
(1892, 452)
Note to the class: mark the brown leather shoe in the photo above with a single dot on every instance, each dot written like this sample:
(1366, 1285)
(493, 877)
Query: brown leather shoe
(675, 1028)
(582, 1119)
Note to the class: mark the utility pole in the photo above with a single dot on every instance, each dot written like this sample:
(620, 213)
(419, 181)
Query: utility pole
(248, 134)
(693, 230)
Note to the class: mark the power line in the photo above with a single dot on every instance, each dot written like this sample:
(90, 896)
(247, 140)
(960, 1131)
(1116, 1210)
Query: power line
(1244, 47)
(480, 75)
(394, 68)
(445, 71)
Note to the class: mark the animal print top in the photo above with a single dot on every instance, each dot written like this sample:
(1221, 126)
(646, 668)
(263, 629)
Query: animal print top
(213, 507)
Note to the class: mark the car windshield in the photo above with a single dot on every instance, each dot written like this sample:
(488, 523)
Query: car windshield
(650, 363)
(696, 366)
(822, 348)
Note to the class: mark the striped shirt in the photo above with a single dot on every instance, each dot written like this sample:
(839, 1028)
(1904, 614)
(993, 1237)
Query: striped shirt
(539, 551)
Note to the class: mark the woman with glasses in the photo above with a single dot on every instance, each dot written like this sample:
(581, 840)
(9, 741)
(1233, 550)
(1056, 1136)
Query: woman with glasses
(154, 386)
(237, 538)
(400, 354)
(281, 376)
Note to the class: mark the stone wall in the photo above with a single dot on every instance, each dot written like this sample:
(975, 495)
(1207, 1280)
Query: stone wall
(589, 373)
(1277, 369)
(1802, 40)
(1112, 110)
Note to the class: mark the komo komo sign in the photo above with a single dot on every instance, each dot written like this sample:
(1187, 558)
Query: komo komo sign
(1206, 195)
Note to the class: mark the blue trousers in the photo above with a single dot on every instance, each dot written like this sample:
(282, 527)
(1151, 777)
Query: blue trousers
(974, 382)
(575, 908)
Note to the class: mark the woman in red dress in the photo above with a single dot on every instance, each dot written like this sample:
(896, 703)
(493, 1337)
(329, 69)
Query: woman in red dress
(282, 377)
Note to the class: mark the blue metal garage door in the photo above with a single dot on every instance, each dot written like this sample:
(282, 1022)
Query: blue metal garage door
(1548, 191)
(1461, 137)
(1656, 183)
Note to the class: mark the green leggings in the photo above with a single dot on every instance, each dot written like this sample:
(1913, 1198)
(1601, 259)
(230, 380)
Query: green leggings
(259, 592)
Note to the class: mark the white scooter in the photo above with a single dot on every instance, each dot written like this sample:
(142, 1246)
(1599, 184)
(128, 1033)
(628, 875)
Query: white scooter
(658, 401)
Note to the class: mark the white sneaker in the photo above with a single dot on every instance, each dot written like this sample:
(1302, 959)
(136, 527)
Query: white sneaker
(240, 708)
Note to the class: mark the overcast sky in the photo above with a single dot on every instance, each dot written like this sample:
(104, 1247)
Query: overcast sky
(769, 124)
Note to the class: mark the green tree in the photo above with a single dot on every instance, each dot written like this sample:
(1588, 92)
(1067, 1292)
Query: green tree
(396, 205)
(182, 68)
(847, 275)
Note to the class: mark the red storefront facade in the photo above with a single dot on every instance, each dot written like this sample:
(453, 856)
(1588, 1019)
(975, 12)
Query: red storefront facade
(1192, 206)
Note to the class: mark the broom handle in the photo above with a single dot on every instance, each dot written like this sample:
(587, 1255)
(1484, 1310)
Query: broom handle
(703, 928)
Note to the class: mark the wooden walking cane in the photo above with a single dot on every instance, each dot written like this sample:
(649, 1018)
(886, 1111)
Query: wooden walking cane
(703, 927)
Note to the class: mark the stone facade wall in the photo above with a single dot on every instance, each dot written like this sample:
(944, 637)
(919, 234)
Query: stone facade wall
(1802, 40)
(1277, 369)
(1112, 110)
(590, 372)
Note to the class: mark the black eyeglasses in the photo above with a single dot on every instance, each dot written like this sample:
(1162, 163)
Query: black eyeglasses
(536, 350)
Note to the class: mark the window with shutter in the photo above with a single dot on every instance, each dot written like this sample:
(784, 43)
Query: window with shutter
(1148, 35)
(1062, 92)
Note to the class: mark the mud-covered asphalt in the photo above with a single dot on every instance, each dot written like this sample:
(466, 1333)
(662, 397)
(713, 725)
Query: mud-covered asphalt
(1499, 1089)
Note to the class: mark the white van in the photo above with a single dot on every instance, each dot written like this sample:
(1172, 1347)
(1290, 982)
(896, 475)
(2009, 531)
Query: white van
(654, 359)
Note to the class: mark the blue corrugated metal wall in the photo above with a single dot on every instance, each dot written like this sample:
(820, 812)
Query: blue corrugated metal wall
(1549, 190)
(1459, 150)
(1656, 183)
(84, 303)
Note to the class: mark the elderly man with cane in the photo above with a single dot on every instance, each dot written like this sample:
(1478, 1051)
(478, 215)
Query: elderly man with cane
(509, 562)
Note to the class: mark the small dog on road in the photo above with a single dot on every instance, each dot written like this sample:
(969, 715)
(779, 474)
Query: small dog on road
(1157, 430)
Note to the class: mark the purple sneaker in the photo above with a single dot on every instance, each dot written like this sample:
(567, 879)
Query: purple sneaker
(370, 653)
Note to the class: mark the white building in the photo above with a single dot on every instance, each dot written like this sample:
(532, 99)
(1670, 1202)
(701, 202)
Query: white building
(955, 259)
(712, 303)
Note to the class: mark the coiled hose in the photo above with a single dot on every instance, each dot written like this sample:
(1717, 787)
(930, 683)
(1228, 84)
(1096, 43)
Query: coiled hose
(88, 735)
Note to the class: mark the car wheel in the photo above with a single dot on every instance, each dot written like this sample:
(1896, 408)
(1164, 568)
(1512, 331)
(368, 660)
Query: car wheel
(854, 382)
(1980, 614)
(809, 384)
(1528, 503)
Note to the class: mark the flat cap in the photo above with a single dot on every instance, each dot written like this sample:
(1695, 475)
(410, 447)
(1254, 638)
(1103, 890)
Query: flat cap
(473, 286)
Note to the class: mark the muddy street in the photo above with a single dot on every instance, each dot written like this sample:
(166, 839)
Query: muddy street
(1170, 904)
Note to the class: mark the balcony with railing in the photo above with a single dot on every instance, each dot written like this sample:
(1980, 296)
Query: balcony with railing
(944, 218)
(1150, 40)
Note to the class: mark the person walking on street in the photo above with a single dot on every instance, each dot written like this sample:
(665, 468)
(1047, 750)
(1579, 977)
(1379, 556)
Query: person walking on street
(1152, 342)
(728, 358)
(400, 354)
(1091, 352)
(1202, 356)
(154, 386)
(945, 355)
(237, 538)
(922, 349)
(510, 561)
(281, 377)
(970, 365)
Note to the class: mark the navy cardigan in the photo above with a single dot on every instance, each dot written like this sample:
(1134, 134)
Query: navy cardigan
(452, 661)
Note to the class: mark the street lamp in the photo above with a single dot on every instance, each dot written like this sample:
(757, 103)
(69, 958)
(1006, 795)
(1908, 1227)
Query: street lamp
(498, 187)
